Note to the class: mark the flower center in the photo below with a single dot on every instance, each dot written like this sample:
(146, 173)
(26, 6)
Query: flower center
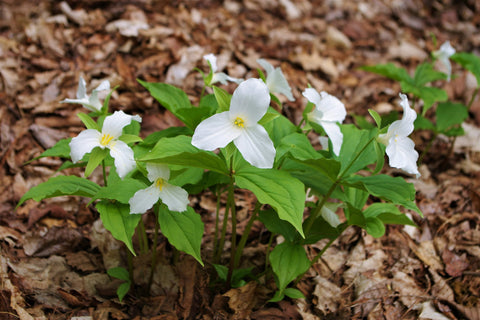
(159, 183)
(239, 122)
(106, 138)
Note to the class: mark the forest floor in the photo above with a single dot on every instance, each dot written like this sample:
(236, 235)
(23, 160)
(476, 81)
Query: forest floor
(54, 254)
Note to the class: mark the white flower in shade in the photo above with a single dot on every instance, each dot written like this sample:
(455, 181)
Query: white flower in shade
(218, 76)
(328, 112)
(249, 104)
(401, 149)
(108, 138)
(174, 197)
(91, 102)
(444, 54)
(276, 81)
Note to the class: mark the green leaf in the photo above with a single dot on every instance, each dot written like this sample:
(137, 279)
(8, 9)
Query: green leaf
(469, 61)
(181, 176)
(288, 261)
(294, 293)
(390, 71)
(96, 157)
(380, 152)
(271, 115)
(184, 230)
(61, 186)
(429, 95)
(279, 128)
(298, 146)
(376, 117)
(194, 115)
(321, 229)
(104, 108)
(278, 189)
(172, 98)
(61, 149)
(180, 151)
(372, 225)
(422, 123)
(223, 98)
(394, 189)
(122, 290)
(276, 225)
(117, 219)
(88, 121)
(425, 73)
(121, 191)
(130, 138)
(119, 273)
(388, 213)
(450, 114)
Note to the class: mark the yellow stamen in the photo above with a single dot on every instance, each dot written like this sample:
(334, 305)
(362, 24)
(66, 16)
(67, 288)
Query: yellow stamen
(159, 183)
(106, 138)
(239, 122)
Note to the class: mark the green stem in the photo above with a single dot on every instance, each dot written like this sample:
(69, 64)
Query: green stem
(246, 232)
(142, 233)
(130, 267)
(427, 148)
(233, 240)
(154, 252)
(104, 173)
(217, 221)
(269, 249)
(473, 98)
(300, 124)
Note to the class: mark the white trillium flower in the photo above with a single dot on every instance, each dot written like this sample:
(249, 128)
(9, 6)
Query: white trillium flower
(444, 54)
(219, 76)
(249, 104)
(276, 81)
(91, 102)
(112, 128)
(328, 112)
(174, 197)
(401, 149)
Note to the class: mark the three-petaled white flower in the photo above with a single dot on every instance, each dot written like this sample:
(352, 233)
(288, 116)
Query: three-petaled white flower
(401, 149)
(174, 197)
(112, 128)
(218, 76)
(276, 81)
(249, 104)
(91, 102)
(328, 112)
(444, 54)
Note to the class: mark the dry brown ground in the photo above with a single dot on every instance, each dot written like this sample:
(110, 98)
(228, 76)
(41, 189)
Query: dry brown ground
(54, 254)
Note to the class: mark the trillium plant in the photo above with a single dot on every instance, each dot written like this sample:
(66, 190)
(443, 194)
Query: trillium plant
(230, 141)
(432, 100)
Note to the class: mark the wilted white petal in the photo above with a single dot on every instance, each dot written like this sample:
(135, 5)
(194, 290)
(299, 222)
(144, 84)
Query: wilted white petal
(256, 146)
(276, 81)
(265, 65)
(157, 170)
(115, 123)
(331, 108)
(84, 143)
(250, 101)
(402, 154)
(444, 54)
(336, 136)
(82, 89)
(123, 156)
(212, 59)
(174, 197)
(312, 95)
(144, 199)
(215, 132)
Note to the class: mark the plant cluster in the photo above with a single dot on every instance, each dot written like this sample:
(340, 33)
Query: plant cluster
(239, 141)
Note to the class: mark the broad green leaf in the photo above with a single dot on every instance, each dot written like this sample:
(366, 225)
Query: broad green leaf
(321, 229)
(130, 138)
(238, 275)
(184, 230)
(279, 128)
(181, 176)
(223, 98)
(376, 117)
(61, 186)
(450, 114)
(288, 261)
(121, 191)
(394, 189)
(88, 121)
(119, 273)
(123, 289)
(133, 128)
(209, 101)
(278, 189)
(298, 146)
(117, 219)
(294, 293)
(422, 123)
(180, 151)
(380, 152)
(429, 95)
(358, 150)
(276, 225)
(469, 61)
(96, 157)
(172, 98)
(424, 73)
(388, 213)
(372, 225)
(61, 149)
(356, 197)
(170, 132)
(271, 115)
(194, 115)
(390, 71)
(362, 122)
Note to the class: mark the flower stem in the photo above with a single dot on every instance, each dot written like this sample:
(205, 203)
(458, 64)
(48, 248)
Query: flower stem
(154, 253)
(472, 98)
(104, 173)
(233, 248)
(221, 244)
(217, 221)
(143, 241)
(246, 232)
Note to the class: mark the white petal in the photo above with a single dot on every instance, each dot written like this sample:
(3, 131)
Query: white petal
(144, 199)
(312, 95)
(447, 49)
(219, 77)
(250, 101)
(336, 136)
(332, 108)
(236, 80)
(402, 154)
(157, 170)
(123, 156)
(213, 61)
(404, 126)
(256, 147)
(115, 123)
(84, 143)
(82, 89)
(105, 85)
(174, 197)
(277, 83)
(85, 102)
(265, 65)
(323, 142)
(93, 102)
(215, 132)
